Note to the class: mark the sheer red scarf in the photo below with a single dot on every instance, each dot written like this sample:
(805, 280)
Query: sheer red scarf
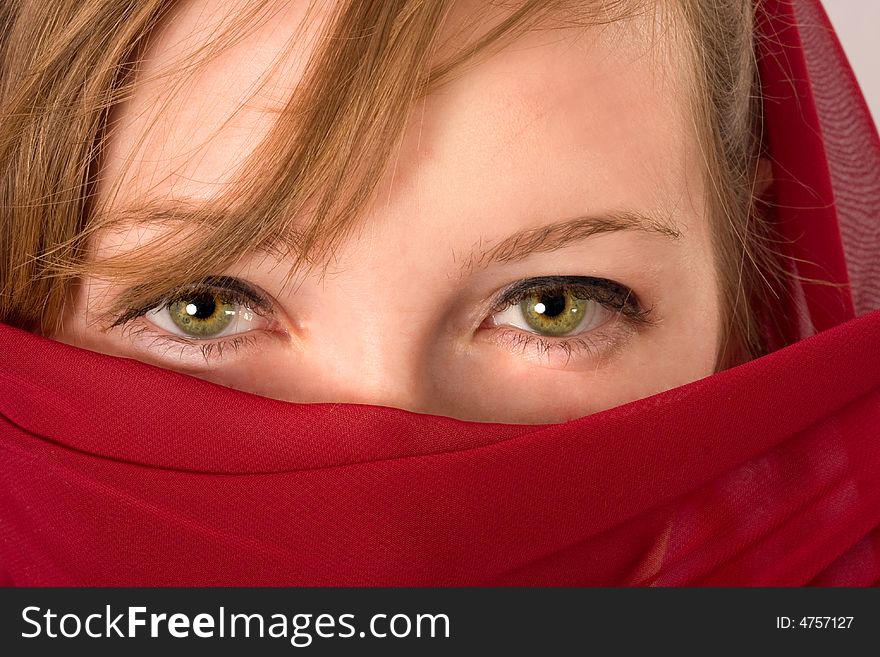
(113, 472)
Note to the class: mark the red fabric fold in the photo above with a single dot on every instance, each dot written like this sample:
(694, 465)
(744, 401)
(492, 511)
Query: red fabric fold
(769, 483)
(114, 472)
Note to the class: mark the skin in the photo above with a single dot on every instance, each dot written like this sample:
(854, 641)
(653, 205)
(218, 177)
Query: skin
(560, 124)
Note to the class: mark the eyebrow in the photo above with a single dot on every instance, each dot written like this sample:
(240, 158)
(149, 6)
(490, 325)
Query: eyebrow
(518, 246)
(552, 237)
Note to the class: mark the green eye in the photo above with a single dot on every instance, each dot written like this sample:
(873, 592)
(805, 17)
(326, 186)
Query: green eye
(202, 314)
(553, 312)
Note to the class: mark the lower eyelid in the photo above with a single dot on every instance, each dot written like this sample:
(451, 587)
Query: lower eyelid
(189, 354)
(588, 350)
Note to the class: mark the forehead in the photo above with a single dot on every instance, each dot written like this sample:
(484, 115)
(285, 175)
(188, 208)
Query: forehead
(584, 103)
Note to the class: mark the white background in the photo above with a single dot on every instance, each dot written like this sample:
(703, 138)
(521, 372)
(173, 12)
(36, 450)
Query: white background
(857, 23)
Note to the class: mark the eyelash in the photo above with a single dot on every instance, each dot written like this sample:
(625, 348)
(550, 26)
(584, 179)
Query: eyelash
(232, 289)
(609, 294)
(207, 349)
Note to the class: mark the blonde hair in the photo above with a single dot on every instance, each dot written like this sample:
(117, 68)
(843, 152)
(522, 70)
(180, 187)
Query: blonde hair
(67, 64)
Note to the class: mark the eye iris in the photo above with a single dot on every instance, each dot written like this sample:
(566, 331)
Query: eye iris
(553, 312)
(204, 314)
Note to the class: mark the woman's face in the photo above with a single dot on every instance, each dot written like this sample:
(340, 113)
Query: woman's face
(538, 249)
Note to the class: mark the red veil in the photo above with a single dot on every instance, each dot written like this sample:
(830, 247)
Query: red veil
(765, 474)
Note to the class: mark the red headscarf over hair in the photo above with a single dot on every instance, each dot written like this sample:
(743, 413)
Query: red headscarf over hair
(113, 472)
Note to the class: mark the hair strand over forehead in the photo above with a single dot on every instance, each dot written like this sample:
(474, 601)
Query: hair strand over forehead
(67, 64)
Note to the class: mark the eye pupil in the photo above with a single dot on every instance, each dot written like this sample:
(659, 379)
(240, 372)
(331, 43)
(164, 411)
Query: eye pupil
(201, 306)
(553, 312)
(551, 305)
(202, 314)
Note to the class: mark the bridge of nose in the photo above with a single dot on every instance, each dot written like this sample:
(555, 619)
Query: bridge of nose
(373, 347)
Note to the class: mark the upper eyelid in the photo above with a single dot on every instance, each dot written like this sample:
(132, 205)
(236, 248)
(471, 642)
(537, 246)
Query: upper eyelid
(237, 290)
(519, 290)
(245, 293)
